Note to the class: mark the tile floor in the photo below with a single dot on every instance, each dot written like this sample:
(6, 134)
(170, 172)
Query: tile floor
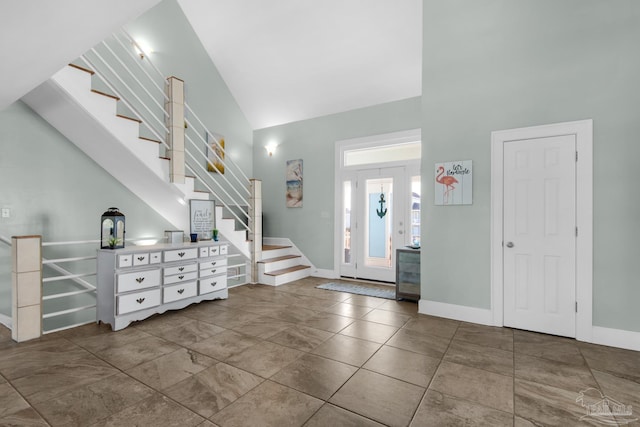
(296, 355)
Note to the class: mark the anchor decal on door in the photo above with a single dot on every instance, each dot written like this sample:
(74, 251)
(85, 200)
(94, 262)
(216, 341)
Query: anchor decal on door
(382, 211)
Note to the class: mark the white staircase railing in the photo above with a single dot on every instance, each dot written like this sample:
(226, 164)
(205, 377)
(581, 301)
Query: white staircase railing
(124, 70)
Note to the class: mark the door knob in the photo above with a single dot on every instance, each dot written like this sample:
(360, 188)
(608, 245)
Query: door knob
(509, 244)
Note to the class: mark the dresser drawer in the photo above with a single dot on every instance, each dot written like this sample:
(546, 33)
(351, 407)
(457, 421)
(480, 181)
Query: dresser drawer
(212, 284)
(179, 291)
(138, 301)
(155, 257)
(204, 252)
(213, 263)
(213, 271)
(181, 269)
(137, 280)
(140, 259)
(179, 278)
(180, 254)
(224, 249)
(125, 260)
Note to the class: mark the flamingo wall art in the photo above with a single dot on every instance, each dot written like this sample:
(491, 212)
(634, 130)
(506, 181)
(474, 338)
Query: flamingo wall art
(454, 183)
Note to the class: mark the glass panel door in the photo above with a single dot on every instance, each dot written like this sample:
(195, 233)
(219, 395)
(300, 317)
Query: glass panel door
(380, 222)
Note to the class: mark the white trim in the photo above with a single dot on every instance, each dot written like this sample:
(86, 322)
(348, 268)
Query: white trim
(325, 273)
(616, 338)
(464, 313)
(583, 130)
(6, 320)
(341, 173)
(413, 135)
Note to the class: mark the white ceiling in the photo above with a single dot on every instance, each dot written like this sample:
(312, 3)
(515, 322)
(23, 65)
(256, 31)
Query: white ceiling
(39, 37)
(290, 60)
(283, 60)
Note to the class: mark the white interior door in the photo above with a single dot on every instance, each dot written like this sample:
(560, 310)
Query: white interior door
(539, 234)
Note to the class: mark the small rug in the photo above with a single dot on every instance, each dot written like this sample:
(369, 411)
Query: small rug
(359, 289)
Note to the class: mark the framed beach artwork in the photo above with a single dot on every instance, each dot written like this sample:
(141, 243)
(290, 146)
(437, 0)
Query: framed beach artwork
(454, 183)
(215, 153)
(294, 183)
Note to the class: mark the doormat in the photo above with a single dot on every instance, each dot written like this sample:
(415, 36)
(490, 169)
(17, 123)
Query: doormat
(359, 290)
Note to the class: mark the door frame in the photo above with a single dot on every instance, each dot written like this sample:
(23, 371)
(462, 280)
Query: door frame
(583, 131)
(342, 172)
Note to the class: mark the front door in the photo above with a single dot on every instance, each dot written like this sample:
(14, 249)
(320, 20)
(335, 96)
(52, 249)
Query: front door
(539, 234)
(375, 222)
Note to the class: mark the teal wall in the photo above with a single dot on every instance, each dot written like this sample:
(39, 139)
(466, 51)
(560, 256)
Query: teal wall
(53, 189)
(500, 64)
(311, 227)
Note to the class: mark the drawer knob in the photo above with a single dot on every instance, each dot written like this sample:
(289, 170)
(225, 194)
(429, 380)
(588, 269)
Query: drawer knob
(140, 258)
(140, 300)
(213, 263)
(214, 270)
(180, 277)
(140, 279)
(180, 254)
(180, 291)
(214, 283)
(181, 268)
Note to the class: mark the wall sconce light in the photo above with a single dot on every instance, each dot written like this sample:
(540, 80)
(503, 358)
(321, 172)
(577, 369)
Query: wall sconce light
(271, 148)
(142, 48)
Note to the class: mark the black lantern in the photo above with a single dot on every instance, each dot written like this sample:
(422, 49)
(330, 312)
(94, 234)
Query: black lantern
(112, 229)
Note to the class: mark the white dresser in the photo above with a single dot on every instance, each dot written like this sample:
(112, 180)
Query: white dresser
(134, 283)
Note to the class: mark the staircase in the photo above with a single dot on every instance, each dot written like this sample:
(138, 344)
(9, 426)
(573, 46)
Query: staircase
(90, 119)
(281, 263)
(128, 138)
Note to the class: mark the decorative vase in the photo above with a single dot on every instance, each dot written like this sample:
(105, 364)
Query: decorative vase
(215, 235)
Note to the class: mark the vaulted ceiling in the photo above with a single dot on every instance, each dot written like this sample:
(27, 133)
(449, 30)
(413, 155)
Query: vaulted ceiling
(289, 60)
(283, 60)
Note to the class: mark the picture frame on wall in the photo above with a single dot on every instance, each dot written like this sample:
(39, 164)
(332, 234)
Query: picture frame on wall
(215, 153)
(453, 183)
(202, 218)
(294, 184)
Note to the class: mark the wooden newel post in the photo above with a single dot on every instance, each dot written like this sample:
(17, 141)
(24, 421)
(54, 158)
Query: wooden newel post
(255, 223)
(26, 287)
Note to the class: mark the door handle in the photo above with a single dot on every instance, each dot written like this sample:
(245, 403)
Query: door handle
(510, 244)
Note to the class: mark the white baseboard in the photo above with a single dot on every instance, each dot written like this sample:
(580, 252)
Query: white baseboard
(6, 320)
(619, 338)
(456, 312)
(616, 338)
(324, 273)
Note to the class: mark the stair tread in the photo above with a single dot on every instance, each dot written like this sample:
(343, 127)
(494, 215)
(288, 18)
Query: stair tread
(78, 67)
(129, 118)
(280, 258)
(287, 270)
(150, 139)
(273, 247)
(108, 95)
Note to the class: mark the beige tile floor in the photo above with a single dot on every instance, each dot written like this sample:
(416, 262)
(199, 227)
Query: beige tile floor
(296, 355)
